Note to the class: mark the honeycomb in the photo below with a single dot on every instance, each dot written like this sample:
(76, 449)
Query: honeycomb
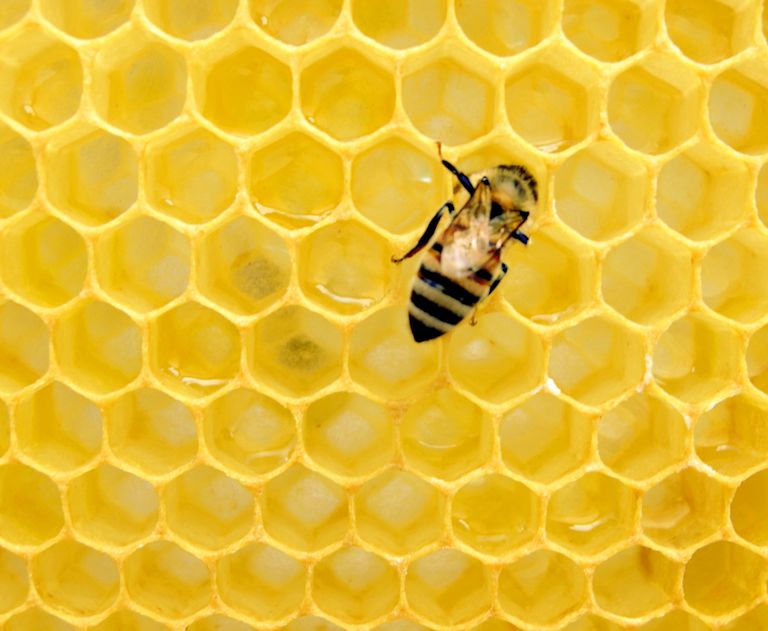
(212, 415)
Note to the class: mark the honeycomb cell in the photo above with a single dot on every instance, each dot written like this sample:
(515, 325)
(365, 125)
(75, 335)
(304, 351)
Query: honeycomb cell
(24, 344)
(43, 79)
(30, 506)
(544, 438)
(43, 260)
(401, 625)
(642, 437)
(609, 30)
(591, 514)
(12, 11)
(190, 20)
(14, 580)
(125, 620)
(761, 194)
(384, 359)
(399, 512)
(217, 622)
(396, 185)
(208, 509)
(150, 431)
(304, 509)
(696, 358)
(593, 623)
(654, 105)
(347, 95)
(92, 176)
(18, 172)
(143, 263)
(445, 435)
(139, 83)
(749, 513)
(85, 19)
(74, 578)
(348, 434)
(601, 191)
(311, 623)
(355, 586)
(541, 588)
(295, 351)
(494, 514)
(191, 175)
(296, 181)
(167, 581)
(38, 620)
(448, 101)
(261, 582)
(248, 432)
(295, 21)
(757, 359)
(447, 587)
(494, 624)
(399, 23)
(5, 429)
(754, 620)
(194, 350)
(676, 620)
(649, 277)
(702, 192)
(723, 576)
(57, 428)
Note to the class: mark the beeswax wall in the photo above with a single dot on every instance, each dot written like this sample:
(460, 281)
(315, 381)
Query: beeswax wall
(212, 415)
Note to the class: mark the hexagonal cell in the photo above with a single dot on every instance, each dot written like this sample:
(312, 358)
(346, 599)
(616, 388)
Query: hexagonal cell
(347, 95)
(754, 620)
(57, 428)
(208, 509)
(143, 263)
(541, 588)
(5, 429)
(217, 622)
(296, 180)
(591, 622)
(348, 434)
(757, 359)
(191, 20)
(401, 625)
(43, 79)
(139, 83)
(37, 619)
(248, 432)
(609, 30)
(495, 514)
(445, 435)
(14, 580)
(261, 582)
(191, 175)
(447, 587)
(167, 581)
(304, 509)
(749, 512)
(295, 21)
(552, 279)
(295, 351)
(24, 342)
(194, 350)
(406, 23)
(597, 360)
(98, 347)
(30, 506)
(655, 104)
(496, 360)
(642, 437)
(18, 172)
(92, 176)
(430, 99)
(149, 430)
(399, 512)
(723, 576)
(241, 88)
(85, 20)
(326, 275)
(591, 514)
(649, 277)
(493, 624)
(384, 359)
(549, 109)
(676, 620)
(601, 191)
(696, 358)
(703, 192)
(75, 578)
(125, 620)
(12, 11)
(355, 585)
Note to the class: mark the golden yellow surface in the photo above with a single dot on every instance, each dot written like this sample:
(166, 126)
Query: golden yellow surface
(212, 414)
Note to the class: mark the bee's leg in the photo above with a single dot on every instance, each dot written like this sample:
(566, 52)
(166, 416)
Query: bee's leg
(495, 282)
(522, 238)
(473, 317)
(463, 179)
(428, 233)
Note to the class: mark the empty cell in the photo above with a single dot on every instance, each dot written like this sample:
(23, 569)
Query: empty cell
(355, 586)
(399, 625)
(676, 620)
(261, 582)
(754, 620)
(591, 622)
(749, 512)
(12, 11)
(348, 434)
(37, 619)
(398, 512)
(761, 194)
(218, 622)
(191, 19)
(14, 580)
(125, 620)
(167, 581)
(143, 263)
(347, 95)
(5, 429)
(446, 435)
(757, 359)
(85, 19)
(30, 506)
(295, 22)
(43, 79)
(399, 23)
(75, 578)
(24, 342)
(18, 172)
(248, 432)
(492, 624)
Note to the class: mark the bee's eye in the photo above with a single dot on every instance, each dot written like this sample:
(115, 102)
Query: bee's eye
(496, 210)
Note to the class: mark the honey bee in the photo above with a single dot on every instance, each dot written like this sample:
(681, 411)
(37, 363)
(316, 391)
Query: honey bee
(463, 265)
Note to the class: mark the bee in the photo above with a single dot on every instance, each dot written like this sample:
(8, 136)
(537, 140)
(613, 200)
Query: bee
(463, 265)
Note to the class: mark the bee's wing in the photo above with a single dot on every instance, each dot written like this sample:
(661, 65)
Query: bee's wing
(467, 240)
